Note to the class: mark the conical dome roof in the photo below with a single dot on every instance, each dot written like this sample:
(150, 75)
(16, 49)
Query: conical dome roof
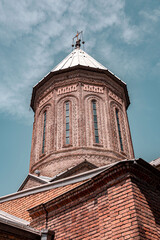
(78, 57)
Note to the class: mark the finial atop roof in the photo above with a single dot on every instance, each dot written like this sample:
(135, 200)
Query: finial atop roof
(78, 33)
(79, 37)
(78, 56)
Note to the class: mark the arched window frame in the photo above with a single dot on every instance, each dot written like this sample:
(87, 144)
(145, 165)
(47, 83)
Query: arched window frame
(40, 129)
(95, 121)
(44, 132)
(119, 131)
(67, 133)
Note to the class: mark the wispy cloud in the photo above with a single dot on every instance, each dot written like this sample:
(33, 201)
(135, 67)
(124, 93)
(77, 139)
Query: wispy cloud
(152, 15)
(33, 33)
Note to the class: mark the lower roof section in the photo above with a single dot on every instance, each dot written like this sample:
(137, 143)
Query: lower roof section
(34, 181)
(156, 163)
(19, 203)
(12, 226)
(56, 184)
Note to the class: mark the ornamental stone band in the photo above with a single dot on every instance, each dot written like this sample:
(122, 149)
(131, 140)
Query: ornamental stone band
(92, 88)
(67, 89)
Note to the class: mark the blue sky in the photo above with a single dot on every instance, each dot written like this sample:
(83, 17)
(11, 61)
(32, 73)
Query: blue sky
(36, 35)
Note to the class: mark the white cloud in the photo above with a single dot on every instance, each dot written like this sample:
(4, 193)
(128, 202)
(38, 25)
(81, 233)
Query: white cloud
(18, 18)
(33, 33)
(121, 63)
(130, 33)
(152, 15)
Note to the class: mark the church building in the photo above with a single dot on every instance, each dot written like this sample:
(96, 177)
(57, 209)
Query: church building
(84, 182)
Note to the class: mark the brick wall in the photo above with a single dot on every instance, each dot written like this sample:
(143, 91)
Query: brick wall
(120, 203)
(122, 207)
(31, 183)
(147, 202)
(110, 214)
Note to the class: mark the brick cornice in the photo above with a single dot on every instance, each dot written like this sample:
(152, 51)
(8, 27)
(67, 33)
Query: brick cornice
(78, 72)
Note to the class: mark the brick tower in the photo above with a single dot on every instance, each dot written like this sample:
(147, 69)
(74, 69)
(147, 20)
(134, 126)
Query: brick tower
(80, 115)
(87, 187)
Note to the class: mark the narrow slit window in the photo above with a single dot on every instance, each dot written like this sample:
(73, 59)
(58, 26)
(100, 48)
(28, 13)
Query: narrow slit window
(44, 131)
(95, 122)
(119, 129)
(67, 124)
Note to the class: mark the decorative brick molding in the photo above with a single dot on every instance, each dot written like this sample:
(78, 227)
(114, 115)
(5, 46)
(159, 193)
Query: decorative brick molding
(115, 97)
(115, 137)
(45, 99)
(67, 89)
(53, 165)
(92, 88)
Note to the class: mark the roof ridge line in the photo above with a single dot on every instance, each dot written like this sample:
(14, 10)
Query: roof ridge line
(55, 184)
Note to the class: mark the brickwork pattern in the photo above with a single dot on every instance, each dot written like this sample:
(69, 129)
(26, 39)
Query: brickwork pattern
(125, 207)
(120, 203)
(18, 207)
(87, 86)
(147, 202)
(116, 143)
(55, 164)
(31, 183)
(110, 214)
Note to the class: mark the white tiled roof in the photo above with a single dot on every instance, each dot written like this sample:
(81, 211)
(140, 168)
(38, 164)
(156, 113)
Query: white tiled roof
(78, 57)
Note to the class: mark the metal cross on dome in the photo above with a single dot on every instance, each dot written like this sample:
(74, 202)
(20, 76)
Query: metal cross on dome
(79, 37)
(78, 33)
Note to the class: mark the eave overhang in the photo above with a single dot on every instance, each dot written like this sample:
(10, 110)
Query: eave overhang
(55, 184)
(19, 229)
(79, 67)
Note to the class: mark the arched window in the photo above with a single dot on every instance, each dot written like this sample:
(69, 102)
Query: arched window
(119, 129)
(95, 123)
(67, 131)
(44, 130)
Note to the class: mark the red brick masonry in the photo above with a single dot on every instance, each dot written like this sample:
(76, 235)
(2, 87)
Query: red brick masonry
(119, 203)
(79, 86)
